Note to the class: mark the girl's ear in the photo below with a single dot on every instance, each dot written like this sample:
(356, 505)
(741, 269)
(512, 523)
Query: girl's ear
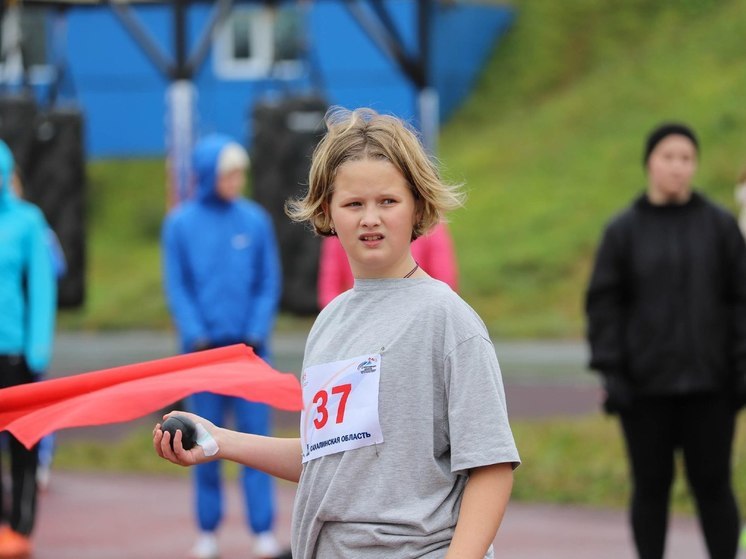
(326, 210)
(419, 210)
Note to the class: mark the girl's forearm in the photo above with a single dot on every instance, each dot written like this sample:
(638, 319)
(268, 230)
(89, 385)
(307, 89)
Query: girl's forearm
(279, 457)
(482, 508)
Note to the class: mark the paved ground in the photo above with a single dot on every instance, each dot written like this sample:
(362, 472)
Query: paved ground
(133, 517)
(108, 516)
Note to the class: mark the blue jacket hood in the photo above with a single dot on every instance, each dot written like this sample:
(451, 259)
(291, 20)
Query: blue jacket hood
(6, 174)
(205, 162)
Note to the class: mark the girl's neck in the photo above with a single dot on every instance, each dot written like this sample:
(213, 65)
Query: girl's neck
(406, 269)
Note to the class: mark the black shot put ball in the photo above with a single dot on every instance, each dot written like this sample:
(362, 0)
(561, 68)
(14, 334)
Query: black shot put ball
(186, 426)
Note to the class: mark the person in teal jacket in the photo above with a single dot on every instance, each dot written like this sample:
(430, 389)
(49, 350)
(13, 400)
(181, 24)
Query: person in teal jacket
(222, 284)
(28, 301)
(46, 446)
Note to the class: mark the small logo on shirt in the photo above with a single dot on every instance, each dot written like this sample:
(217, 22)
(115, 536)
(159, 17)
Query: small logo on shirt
(240, 241)
(368, 366)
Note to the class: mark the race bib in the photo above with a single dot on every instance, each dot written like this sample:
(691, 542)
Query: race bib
(340, 406)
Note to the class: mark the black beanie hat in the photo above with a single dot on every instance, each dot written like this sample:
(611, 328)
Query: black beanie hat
(667, 129)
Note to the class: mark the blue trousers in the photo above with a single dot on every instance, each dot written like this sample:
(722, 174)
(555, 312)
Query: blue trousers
(257, 486)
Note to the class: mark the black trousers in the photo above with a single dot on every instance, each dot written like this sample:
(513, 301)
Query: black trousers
(701, 426)
(20, 510)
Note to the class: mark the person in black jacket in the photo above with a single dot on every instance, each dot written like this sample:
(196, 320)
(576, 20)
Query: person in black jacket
(666, 308)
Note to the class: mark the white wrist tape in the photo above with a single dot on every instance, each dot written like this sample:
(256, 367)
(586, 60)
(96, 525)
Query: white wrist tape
(206, 441)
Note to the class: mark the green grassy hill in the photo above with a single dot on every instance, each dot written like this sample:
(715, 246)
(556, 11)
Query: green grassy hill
(549, 147)
(126, 202)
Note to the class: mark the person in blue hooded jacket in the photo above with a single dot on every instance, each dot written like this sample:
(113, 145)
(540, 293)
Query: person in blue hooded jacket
(28, 302)
(46, 446)
(223, 283)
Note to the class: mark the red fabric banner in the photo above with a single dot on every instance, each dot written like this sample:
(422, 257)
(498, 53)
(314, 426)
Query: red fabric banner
(30, 411)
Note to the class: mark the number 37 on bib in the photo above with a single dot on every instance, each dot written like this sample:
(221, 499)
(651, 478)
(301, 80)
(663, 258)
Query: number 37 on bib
(340, 406)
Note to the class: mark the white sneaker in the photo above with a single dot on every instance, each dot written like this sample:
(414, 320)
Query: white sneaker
(43, 473)
(206, 547)
(266, 546)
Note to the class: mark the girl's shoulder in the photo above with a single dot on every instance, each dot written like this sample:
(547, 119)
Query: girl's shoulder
(427, 298)
(444, 304)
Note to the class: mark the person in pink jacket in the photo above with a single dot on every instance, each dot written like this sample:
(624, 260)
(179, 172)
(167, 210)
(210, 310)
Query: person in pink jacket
(434, 253)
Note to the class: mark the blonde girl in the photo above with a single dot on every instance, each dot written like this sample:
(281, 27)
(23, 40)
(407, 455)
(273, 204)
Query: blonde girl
(405, 448)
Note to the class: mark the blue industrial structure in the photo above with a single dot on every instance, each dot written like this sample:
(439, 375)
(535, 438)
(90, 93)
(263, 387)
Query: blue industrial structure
(123, 94)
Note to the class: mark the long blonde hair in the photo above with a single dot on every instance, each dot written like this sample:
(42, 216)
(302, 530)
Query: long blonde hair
(365, 134)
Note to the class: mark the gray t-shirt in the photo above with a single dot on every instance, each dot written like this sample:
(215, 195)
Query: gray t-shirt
(442, 411)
